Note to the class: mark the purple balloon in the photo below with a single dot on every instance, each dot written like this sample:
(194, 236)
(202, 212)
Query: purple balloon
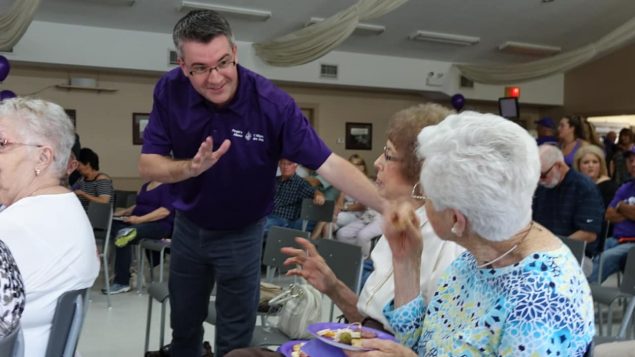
(458, 101)
(5, 67)
(6, 94)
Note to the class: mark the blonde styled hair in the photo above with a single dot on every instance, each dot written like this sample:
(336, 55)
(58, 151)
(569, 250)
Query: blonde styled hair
(594, 150)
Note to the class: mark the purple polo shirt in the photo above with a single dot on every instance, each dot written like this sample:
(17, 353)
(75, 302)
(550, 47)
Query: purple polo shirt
(263, 124)
(148, 201)
(626, 228)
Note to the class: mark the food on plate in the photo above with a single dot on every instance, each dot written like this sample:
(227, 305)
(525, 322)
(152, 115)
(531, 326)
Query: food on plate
(297, 350)
(351, 335)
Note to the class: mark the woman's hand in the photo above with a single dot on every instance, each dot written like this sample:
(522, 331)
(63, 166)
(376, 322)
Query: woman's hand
(311, 266)
(402, 231)
(382, 348)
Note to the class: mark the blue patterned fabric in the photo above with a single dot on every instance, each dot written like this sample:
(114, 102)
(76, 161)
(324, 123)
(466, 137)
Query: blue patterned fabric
(541, 306)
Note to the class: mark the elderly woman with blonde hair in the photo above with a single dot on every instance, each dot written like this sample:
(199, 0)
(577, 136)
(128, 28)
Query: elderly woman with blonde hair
(517, 290)
(42, 223)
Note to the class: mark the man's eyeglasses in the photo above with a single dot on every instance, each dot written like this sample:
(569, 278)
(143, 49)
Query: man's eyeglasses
(389, 157)
(543, 175)
(205, 70)
(5, 143)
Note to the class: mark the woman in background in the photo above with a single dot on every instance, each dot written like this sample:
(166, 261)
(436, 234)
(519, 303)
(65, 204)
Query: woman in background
(572, 137)
(589, 160)
(43, 223)
(617, 166)
(93, 186)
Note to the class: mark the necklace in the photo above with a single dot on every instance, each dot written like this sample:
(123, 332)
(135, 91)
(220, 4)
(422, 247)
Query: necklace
(489, 263)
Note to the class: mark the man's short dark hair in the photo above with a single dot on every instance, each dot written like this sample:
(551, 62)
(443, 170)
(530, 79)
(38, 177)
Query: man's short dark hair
(89, 157)
(200, 26)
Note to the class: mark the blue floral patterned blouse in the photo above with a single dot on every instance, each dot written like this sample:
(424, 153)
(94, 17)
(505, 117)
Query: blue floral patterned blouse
(540, 306)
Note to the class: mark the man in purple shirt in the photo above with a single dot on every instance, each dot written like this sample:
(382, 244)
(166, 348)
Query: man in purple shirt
(217, 131)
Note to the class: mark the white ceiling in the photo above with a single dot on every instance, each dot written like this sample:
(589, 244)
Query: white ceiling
(565, 23)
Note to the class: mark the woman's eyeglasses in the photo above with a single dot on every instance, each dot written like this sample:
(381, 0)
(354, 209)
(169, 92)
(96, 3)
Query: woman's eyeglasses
(389, 157)
(5, 143)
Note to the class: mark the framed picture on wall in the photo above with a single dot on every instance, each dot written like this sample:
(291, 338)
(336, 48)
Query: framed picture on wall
(139, 123)
(359, 136)
(72, 114)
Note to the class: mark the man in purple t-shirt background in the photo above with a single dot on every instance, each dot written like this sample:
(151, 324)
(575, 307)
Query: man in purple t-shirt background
(217, 131)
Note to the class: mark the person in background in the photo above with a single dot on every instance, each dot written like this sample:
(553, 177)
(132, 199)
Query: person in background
(218, 130)
(93, 186)
(566, 202)
(12, 297)
(590, 133)
(291, 189)
(398, 169)
(621, 214)
(43, 223)
(610, 146)
(617, 166)
(151, 217)
(572, 137)
(73, 163)
(546, 129)
(589, 160)
(355, 223)
(517, 290)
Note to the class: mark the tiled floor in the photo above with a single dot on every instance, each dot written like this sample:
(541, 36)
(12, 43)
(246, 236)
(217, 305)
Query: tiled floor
(120, 331)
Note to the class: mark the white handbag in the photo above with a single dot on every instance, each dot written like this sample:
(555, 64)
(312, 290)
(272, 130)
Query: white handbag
(302, 307)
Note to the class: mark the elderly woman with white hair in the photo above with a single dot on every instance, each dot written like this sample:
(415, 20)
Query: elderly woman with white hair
(42, 223)
(517, 290)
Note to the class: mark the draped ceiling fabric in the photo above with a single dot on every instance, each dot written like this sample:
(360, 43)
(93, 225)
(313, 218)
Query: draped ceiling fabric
(313, 42)
(15, 21)
(514, 73)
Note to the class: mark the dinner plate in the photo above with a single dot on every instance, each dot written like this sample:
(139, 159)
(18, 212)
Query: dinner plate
(287, 347)
(314, 328)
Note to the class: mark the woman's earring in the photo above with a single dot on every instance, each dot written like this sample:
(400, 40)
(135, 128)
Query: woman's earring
(37, 172)
(454, 230)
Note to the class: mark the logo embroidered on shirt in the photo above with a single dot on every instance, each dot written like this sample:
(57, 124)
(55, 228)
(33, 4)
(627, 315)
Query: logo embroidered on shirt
(589, 220)
(248, 136)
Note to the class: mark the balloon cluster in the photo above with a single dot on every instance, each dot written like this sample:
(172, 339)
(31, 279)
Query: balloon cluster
(5, 67)
(458, 101)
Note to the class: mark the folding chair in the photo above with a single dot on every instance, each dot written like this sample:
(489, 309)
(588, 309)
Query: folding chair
(607, 295)
(156, 290)
(67, 324)
(100, 216)
(577, 247)
(277, 238)
(13, 344)
(312, 212)
(162, 246)
(125, 199)
(345, 260)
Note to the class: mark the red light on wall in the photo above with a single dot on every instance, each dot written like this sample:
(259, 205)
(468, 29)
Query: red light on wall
(512, 92)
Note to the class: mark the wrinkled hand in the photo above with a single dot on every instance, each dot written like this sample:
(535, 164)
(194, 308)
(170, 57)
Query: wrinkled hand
(312, 266)
(319, 199)
(382, 348)
(206, 157)
(402, 231)
(132, 219)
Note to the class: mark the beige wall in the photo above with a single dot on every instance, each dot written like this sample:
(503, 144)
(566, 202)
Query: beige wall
(104, 119)
(604, 86)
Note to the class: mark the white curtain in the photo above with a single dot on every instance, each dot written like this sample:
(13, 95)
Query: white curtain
(515, 73)
(15, 21)
(313, 42)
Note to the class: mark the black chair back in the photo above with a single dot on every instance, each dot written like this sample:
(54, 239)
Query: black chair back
(344, 259)
(277, 238)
